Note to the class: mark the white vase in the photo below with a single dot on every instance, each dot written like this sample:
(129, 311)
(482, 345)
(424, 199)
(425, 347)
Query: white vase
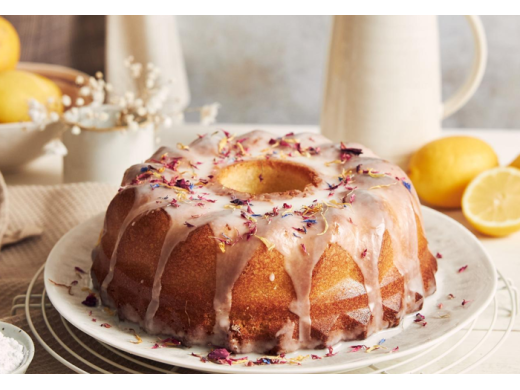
(102, 151)
(383, 86)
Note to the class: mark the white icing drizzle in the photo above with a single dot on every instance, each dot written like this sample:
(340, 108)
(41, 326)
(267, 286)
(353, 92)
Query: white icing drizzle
(382, 203)
(229, 267)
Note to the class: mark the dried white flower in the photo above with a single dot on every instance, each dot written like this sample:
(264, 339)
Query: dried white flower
(55, 147)
(37, 112)
(85, 91)
(129, 96)
(89, 113)
(178, 118)
(76, 130)
(54, 117)
(208, 113)
(145, 105)
(98, 97)
(167, 122)
(128, 61)
(134, 126)
(66, 100)
(136, 69)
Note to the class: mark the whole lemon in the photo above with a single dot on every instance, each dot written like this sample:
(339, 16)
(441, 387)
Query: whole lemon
(516, 162)
(442, 169)
(9, 45)
(17, 87)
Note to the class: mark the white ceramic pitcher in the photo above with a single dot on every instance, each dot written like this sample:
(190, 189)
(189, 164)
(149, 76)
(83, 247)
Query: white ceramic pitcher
(383, 86)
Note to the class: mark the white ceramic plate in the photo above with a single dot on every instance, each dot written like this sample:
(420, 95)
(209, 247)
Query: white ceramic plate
(457, 245)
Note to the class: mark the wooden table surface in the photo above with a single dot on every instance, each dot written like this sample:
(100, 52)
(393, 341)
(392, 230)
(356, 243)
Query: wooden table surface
(504, 251)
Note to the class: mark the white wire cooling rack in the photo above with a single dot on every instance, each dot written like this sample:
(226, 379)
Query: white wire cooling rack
(458, 354)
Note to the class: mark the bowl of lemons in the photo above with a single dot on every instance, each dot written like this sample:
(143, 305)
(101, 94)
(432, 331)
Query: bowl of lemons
(21, 138)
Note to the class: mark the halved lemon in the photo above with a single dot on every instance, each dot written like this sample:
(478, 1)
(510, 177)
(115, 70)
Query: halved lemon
(491, 202)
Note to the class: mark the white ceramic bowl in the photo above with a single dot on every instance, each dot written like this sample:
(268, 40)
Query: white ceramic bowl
(22, 142)
(23, 338)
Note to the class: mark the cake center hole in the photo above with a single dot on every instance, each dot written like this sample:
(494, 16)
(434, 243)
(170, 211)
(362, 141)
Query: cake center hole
(267, 176)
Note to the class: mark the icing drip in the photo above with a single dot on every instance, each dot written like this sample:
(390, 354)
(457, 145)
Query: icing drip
(363, 241)
(230, 265)
(357, 200)
(299, 264)
(136, 211)
(173, 237)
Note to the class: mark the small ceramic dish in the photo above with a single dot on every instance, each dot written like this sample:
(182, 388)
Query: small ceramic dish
(9, 330)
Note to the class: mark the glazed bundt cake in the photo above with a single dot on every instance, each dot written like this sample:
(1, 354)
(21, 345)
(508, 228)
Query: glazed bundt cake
(264, 244)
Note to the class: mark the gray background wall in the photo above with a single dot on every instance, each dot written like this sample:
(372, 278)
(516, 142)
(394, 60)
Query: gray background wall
(270, 69)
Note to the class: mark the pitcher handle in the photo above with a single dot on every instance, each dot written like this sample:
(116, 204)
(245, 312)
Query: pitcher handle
(464, 93)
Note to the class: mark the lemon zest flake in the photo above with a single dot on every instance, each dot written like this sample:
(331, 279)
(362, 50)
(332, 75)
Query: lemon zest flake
(335, 204)
(374, 348)
(138, 340)
(233, 206)
(371, 173)
(326, 225)
(250, 218)
(267, 243)
(242, 150)
(328, 164)
(298, 359)
(382, 186)
(182, 146)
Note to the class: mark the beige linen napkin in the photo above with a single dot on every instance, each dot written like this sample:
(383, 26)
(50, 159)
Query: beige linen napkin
(9, 235)
(56, 209)
(3, 208)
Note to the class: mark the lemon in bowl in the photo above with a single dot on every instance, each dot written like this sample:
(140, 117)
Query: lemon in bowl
(9, 45)
(442, 169)
(491, 202)
(18, 87)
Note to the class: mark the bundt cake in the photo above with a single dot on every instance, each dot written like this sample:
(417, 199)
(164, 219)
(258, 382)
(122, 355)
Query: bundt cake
(259, 243)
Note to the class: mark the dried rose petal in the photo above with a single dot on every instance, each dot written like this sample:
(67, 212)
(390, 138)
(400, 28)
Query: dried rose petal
(331, 352)
(90, 300)
(219, 353)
